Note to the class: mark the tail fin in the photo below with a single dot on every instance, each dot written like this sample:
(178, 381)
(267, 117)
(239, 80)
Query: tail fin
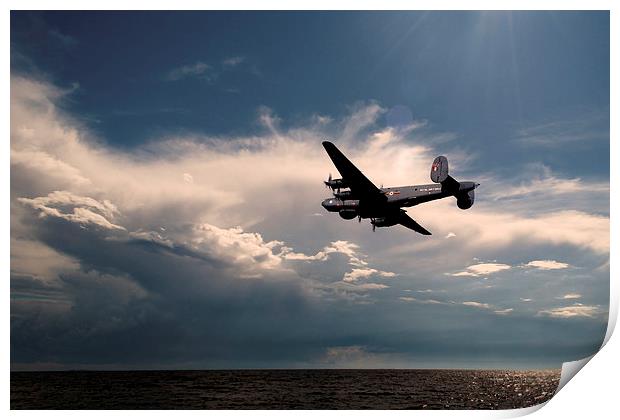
(439, 169)
(439, 173)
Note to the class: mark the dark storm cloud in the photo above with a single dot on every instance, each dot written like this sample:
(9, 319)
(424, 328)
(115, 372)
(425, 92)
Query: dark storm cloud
(176, 309)
(187, 305)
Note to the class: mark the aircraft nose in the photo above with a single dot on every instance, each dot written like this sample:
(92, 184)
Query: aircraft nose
(476, 185)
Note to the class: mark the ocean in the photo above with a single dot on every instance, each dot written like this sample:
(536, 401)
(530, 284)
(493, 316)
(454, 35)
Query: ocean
(283, 389)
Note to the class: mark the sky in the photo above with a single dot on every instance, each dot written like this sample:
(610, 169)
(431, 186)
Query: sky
(166, 181)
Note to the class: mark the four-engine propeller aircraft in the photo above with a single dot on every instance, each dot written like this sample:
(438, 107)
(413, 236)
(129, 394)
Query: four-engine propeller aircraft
(355, 196)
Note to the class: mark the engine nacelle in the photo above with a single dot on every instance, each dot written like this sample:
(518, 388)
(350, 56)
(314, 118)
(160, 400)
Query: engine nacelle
(348, 214)
(350, 204)
(344, 195)
(336, 204)
(465, 201)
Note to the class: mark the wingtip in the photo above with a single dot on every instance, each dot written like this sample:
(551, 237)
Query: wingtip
(327, 144)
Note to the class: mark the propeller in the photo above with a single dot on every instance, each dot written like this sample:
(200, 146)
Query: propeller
(328, 181)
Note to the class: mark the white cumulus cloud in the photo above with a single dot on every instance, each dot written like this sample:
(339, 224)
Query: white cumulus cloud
(503, 311)
(482, 269)
(84, 210)
(573, 311)
(547, 264)
(477, 304)
(360, 273)
(570, 296)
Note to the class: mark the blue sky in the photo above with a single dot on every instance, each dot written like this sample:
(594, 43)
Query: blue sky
(191, 140)
(485, 76)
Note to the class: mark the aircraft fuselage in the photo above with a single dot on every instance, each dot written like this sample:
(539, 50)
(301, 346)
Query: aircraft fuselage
(397, 197)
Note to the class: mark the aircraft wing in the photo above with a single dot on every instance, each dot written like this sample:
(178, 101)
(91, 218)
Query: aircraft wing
(359, 184)
(408, 222)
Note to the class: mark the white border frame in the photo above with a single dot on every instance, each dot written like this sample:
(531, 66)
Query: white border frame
(592, 395)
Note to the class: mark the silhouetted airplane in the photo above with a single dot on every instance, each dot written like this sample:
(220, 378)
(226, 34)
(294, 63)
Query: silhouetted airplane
(355, 196)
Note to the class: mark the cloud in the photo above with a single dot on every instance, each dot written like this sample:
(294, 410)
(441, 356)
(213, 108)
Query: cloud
(348, 285)
(477, 304)
(488, 228)
(431, 301)
(573, 311)
(242, 249)
(425, 301)
(34, 259)
(450, 235)
(67, 41)
(342, 247)
(204, 156)
(570, 296)
(233, 61)
(129, 250)
(85, 210)
(480, 305)
(362, 117)
(360, 266)
(250, 254)
(204, 71)
(560, 133)
(360, 273)
(322, 119)
(492, 230)
(551, 185)
(197, 70)
(43, 164)
(268, 119)
(188, 178)
(503, 311)
(346, 248)
(482, 269)
(547, 265)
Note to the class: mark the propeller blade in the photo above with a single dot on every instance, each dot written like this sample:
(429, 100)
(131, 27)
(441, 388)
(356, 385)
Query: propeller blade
(328, 182)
